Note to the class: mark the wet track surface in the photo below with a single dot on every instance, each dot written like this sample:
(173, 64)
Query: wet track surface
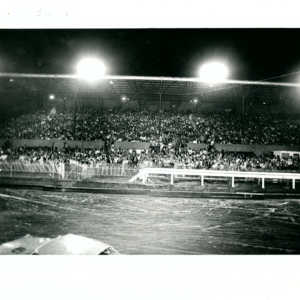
(155, 225)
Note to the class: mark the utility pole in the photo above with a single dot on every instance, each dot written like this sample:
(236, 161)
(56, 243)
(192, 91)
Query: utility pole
(75, 112)
(160, 113)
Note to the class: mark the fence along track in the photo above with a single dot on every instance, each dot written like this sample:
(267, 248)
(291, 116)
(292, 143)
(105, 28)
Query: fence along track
(63, 171)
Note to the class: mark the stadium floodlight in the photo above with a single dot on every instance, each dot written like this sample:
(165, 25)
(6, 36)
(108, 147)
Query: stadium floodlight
(90, 69)
(51, 97)
(213, 72)
(124, 98)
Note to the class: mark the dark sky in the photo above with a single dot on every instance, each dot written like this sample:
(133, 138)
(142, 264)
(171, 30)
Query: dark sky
(251, 53)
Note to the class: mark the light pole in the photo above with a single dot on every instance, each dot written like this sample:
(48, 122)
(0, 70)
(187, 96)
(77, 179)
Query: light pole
(91, 70)
(213, 72)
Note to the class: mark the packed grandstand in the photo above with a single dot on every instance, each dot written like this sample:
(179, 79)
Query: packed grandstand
(166, 139)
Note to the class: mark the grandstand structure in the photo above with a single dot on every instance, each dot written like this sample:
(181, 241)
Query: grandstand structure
(31, 91)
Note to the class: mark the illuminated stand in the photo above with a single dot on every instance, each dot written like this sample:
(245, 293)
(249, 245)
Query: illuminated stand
(92, 69)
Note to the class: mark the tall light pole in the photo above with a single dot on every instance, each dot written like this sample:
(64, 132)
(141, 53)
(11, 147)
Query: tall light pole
(91, 70)
(213, 72)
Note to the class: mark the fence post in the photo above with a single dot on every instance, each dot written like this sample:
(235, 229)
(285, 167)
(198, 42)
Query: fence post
(172, 178)
(62, 170)
(232, 182)
(293, 183)
(145, 178)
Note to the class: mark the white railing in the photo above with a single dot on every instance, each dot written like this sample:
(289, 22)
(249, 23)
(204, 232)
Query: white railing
(147, 172)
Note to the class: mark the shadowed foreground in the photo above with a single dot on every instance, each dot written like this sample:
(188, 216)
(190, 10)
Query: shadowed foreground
(135, 224)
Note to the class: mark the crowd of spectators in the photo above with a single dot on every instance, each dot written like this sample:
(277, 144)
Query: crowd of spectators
(184, 158)
(163, 127)
(168, 135)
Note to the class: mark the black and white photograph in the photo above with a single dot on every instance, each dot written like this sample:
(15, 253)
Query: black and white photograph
(150, 141)
(163, 135)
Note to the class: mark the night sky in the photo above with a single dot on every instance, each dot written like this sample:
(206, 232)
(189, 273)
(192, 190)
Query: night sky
(252, 54)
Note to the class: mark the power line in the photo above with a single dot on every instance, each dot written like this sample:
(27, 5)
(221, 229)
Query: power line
(261, 80)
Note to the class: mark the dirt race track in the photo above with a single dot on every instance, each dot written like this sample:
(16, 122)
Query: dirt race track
(155, 225)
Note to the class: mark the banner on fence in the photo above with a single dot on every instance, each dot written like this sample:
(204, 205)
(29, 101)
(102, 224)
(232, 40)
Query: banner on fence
(132, 145)
(257, 149)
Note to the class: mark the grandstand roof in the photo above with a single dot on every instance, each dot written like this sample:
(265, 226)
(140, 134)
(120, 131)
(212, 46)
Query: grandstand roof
(152, 87)
(132, 86)
(156, 87)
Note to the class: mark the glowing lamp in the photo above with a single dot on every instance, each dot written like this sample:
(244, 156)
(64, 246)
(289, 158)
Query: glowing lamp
(213, 72)
(91, 69)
